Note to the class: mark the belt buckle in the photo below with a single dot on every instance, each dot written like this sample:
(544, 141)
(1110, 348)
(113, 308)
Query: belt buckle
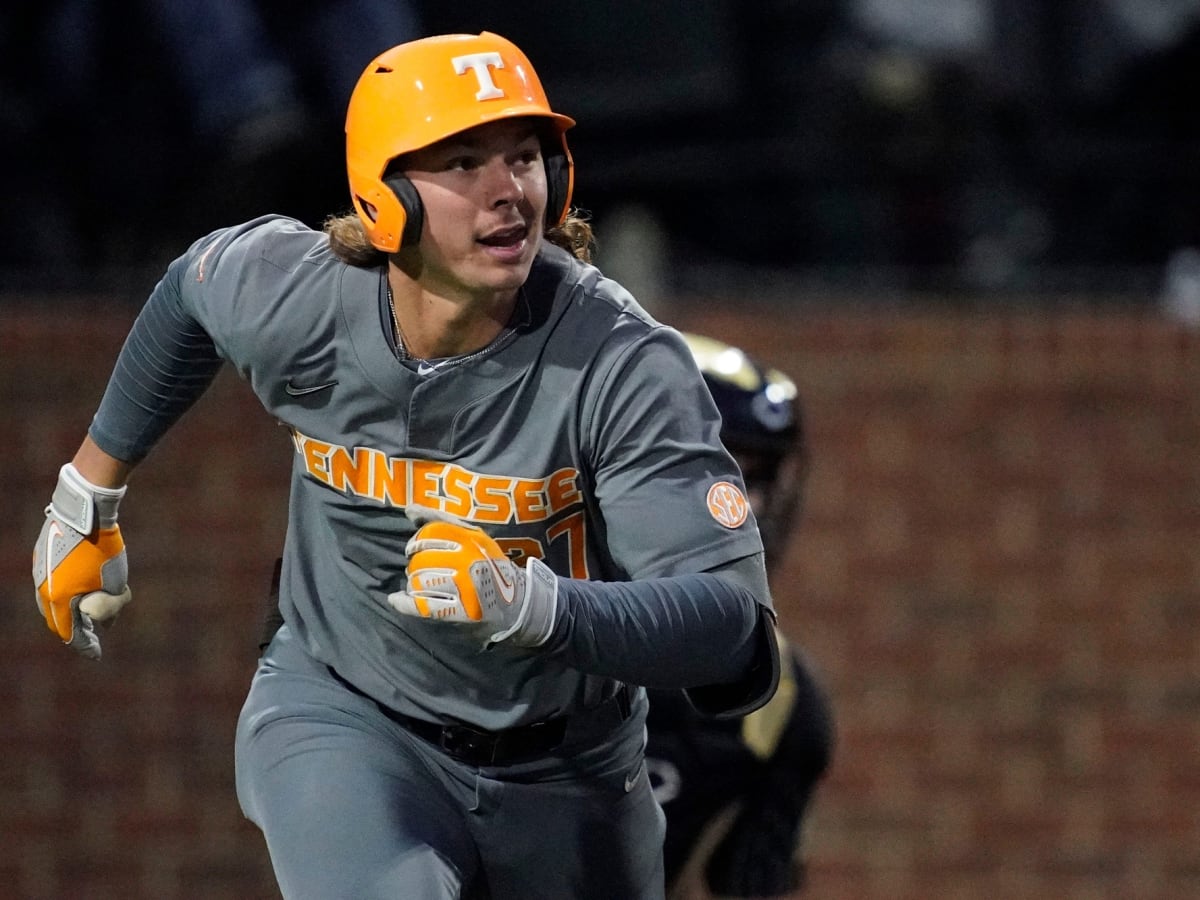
(464, 742)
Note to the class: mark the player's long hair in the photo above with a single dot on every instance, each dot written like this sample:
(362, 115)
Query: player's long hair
(349, 242)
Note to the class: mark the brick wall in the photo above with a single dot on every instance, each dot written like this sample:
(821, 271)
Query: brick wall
(997, 575)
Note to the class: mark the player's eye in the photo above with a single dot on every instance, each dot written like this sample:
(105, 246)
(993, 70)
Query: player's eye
(463, 162)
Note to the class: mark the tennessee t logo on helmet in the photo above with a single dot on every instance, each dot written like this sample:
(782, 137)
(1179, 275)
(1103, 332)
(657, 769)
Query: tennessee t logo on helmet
(478, 63)
(421, 92)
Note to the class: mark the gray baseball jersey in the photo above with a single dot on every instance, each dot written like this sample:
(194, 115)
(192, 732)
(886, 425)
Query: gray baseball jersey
(583, 435)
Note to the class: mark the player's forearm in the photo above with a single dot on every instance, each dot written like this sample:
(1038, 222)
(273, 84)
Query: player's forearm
(676, 632)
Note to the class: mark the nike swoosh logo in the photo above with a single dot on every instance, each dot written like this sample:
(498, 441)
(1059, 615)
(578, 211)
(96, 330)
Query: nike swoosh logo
(297, 391)
(505, 584)
(425, 368)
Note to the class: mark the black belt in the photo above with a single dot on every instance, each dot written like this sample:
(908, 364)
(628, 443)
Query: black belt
(478, 747)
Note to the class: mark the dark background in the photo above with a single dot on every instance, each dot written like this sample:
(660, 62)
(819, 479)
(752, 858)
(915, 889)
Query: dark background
(965, 146)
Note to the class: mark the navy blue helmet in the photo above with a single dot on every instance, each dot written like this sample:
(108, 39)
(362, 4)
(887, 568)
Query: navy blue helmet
(762, 426)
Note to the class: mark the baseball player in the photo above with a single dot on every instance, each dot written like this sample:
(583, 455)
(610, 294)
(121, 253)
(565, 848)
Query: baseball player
(510, 508)
(735, 791)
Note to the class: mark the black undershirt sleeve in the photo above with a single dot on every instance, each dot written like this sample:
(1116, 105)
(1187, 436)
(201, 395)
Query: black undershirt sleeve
(706, 633)
(168, 361)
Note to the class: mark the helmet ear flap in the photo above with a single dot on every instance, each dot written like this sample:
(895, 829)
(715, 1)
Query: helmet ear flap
(410, 205)
(558, 196)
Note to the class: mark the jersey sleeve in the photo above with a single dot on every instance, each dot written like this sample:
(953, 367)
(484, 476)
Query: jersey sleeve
(200, 314)
(657, 461)
(238, 283)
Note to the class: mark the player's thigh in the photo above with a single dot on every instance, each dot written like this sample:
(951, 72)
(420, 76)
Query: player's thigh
(347, 809)
(598, 835)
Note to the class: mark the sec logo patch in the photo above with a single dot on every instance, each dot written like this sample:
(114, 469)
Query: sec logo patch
(727, 504)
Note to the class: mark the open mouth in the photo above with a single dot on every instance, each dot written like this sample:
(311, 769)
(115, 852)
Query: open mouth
(508, 237)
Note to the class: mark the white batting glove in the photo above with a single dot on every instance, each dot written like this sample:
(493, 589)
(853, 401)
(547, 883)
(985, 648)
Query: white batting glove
(457, 573)
(80, 571)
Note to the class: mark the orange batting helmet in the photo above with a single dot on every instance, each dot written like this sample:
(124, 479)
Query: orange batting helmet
(420, 92)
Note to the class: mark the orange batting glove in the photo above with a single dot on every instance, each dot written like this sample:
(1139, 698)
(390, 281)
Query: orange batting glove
(80, 571)
(457, 573)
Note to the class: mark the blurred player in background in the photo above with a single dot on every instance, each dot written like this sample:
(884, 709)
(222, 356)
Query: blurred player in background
(736, 791)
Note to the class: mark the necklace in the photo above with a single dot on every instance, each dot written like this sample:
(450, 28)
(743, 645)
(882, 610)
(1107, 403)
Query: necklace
(397, 333)
(426, 366)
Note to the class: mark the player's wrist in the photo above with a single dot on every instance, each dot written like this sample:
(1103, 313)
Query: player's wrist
(82, 505)
(540, 609)
(537, 613)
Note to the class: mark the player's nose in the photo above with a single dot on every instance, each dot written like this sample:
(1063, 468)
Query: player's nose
(504, 182)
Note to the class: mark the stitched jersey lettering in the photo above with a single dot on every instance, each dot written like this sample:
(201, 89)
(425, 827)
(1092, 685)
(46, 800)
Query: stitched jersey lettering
(399, 481)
